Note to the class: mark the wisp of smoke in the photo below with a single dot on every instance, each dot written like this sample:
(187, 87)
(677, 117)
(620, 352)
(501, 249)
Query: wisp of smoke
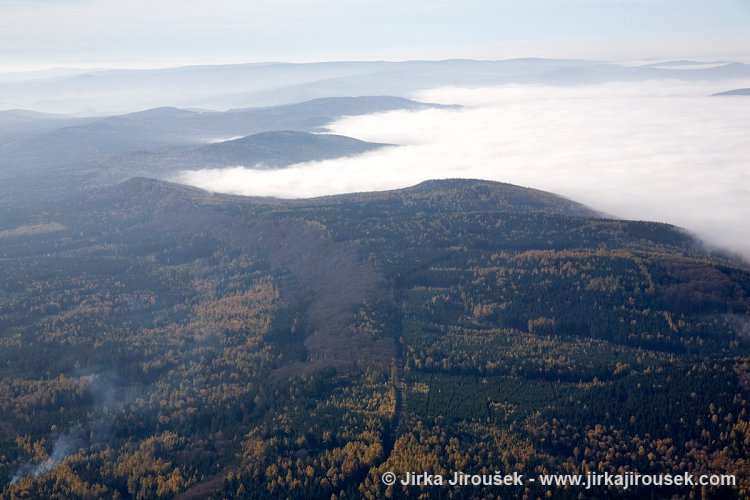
(64, 445)
(110, 399)
(655, 150)
(741, 326)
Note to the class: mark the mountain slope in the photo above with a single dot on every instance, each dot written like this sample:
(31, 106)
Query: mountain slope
(225, 345)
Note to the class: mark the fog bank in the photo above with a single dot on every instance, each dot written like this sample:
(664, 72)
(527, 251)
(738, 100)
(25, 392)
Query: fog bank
(656, 150)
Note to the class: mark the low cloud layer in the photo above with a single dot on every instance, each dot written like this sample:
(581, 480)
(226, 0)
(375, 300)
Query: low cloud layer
(660, 150)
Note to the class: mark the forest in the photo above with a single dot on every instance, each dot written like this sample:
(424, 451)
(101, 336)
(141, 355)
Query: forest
(159, 341)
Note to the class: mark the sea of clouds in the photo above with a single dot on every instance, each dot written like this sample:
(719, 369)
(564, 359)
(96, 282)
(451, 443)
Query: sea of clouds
(653, 150)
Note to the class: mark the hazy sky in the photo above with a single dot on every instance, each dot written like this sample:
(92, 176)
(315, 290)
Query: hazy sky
(147, 33)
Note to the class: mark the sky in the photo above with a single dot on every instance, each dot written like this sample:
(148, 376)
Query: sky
(37, 34)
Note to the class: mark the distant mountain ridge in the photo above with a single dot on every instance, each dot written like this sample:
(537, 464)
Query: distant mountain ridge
(16, 124)
(71, 157)
(160, 127)
(733, 92)
(243, 85)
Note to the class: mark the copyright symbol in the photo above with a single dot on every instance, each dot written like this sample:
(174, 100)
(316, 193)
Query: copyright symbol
(388, 478)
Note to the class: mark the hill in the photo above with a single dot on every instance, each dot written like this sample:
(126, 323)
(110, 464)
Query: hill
(263, 150)
(280, 148)
(734, 92)
(220, 345)
(462, 195)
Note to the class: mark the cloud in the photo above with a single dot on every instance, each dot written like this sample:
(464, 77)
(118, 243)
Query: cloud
(659, 150)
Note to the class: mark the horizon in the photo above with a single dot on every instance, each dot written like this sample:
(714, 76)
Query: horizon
(169, 33)
(41, 69)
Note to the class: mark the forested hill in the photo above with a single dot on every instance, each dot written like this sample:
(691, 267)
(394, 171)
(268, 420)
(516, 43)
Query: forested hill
(157, 339)
(446, 195)
(265, 150)
(277, 148)
(465, 195)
